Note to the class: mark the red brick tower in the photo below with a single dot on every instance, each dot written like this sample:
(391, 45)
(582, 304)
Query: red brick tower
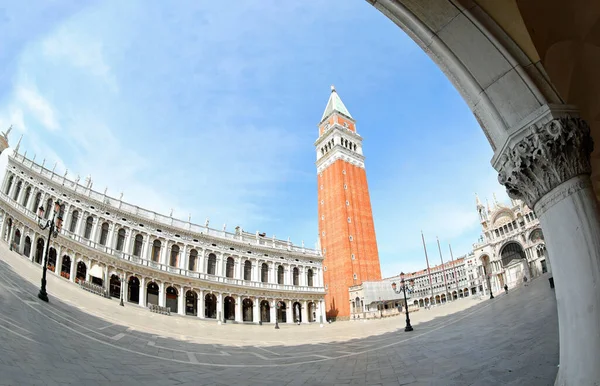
(346, 229)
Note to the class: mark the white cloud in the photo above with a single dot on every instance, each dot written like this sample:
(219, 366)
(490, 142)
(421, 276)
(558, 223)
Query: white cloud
(77, 49)
(37, 105)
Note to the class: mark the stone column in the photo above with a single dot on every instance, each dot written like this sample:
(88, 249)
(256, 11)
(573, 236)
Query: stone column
(128, 236)
(219, 267)
(289, 311)
(73, 272)
(321, 313)
(93, 235)
(273, 310)
(183, 257)
(181, 301)
(163, 252)
(142, 297)
(547, 165)
(201, 304)
(255, 310)
(161, 294)
(219, 307)
(201, 261)
(238, 309)
(146, 248)
(125, 288)
(80, 221)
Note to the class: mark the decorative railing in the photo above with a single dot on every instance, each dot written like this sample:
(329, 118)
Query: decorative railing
(188, 226)
(139, 261)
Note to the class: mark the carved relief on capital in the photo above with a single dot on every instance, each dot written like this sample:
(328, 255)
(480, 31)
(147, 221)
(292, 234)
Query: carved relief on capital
(547, 156)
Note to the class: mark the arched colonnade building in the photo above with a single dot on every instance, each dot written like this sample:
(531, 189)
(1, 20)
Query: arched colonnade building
(193, 269)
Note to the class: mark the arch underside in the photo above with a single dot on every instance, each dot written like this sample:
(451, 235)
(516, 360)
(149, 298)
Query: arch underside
(516, 63)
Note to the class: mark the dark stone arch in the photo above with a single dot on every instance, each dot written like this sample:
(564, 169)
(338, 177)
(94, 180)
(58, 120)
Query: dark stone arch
(210, 306)
(133, 290)
(511, 251)
(191, 303)
(247, 310)
(265, 311)
(172, 294)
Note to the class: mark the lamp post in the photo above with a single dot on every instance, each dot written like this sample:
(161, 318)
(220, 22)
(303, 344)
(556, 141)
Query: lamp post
(277, 315)
(122, 278)
(402, 289)
(54, 225)
(489, 282)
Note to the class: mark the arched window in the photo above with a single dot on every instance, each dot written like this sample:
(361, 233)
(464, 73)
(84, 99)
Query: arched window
(174, 256)
(74, 219)
(192, 264)
(156, 250)
(17, 190)
(247, 270)
(120, 239)
(88, 227)
(104, 234)
(229, 267)
(38, 199)
(309, 277)
(137, 245)
(264, 273)
(48, 208)
(212, 264)
(280, 274)
(9, 184)
(296, 276)
(27, 194)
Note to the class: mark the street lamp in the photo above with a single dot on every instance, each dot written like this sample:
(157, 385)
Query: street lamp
(122, 278)
(277, 314)
(402, 289)
(54, 225)
(490, 285)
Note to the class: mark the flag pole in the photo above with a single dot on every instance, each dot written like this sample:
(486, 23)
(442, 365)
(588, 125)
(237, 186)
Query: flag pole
(428, 270)
(454, 266)
(443, 269)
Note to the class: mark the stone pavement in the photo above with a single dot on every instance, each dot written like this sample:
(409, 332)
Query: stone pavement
(203, 331)
(511, 340)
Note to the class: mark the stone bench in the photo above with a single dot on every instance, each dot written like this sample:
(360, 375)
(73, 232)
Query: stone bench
(159, 309)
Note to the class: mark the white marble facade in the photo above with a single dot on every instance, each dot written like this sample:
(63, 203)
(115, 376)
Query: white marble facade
(192, 269)
(511, 245)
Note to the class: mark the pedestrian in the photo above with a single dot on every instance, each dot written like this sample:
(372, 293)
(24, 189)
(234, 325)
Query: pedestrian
(525, 280)
(506, 288)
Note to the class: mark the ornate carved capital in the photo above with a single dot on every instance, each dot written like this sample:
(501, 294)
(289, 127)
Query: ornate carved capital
(547, 155)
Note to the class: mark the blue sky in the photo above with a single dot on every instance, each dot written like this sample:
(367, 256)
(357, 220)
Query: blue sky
(211, 109)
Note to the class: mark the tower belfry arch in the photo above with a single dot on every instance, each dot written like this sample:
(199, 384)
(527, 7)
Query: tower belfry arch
(346, 229)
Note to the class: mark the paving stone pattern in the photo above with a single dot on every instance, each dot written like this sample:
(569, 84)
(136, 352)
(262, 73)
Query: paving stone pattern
(510, 340)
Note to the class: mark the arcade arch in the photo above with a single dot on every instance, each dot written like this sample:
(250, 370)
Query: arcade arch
(520, 66)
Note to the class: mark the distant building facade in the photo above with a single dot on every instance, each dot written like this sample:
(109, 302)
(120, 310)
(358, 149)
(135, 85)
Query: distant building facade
(511, 245)
(192, 269)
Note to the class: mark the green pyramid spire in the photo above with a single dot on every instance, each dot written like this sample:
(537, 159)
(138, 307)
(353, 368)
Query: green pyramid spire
(335, 104)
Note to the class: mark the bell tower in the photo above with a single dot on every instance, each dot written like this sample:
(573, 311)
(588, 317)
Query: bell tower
(346, 229)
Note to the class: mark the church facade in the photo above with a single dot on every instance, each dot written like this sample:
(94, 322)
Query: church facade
(511, 245)
(119, 249)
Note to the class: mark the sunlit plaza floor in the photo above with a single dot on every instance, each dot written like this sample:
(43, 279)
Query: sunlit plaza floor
(82, 338)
